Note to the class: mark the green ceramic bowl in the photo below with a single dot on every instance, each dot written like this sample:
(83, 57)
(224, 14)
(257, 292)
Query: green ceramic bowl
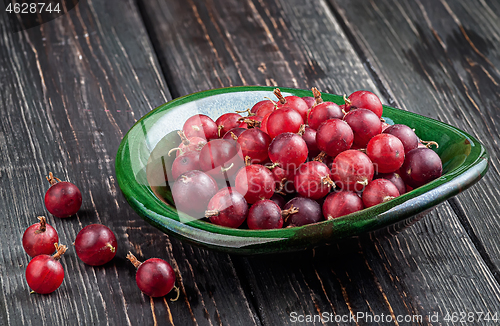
(142, 166)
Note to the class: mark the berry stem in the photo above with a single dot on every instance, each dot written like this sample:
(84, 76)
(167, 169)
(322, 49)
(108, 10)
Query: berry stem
(224, 169)
(317, 96)
(113, 249)
(287, 212)
(280, 97)
(61, 249)
(52, 180)
(302, 130)
(219, 128)
(281, 186)
(387, 198)
(184, 139)
(248, 160)
(250, 123)
(272, 166)
(210, 213)
(428, 144)
(275, 105)
(347, 100)
(248, 111)
(233, 136)
(43, 225)
(178, 294)
(320, 158)
(173, 149)
(327, 181)
(133, 260)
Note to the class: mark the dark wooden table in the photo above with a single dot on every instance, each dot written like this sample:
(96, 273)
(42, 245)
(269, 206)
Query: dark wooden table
(71, 88)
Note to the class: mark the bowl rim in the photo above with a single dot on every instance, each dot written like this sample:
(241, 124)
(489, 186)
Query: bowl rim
(152, 209)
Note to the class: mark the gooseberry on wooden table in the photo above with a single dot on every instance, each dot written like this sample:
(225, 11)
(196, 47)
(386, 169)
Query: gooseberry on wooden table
(40, 238)
(63, 198)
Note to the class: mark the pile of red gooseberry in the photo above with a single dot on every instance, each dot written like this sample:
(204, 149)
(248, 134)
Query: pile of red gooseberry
(296, 161)
(95, 245)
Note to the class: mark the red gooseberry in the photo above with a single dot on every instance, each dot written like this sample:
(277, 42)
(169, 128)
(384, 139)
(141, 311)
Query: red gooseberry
(421, 166)
(334, 136)
(352, 170)
(227, 122)
(322, 111)
(95, 244)
(154, 277)
(227, 208)
(265, 214)
(405, 134)
(364, 124)
(365, 100)
(386, 152)
(255, 182)
(45, 273)
(63, 198)
(254, 143)
(289, 150)
(341, 203)
(192, 191)
(202, 126)
(312, 180)
(284, 120)
(379, 191)
(292, 101)
(39, 238)
(301, 211)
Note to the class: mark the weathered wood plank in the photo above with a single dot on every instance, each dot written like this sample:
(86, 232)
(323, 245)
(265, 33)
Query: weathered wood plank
(71, 88)
(431, 268)
(441, 59)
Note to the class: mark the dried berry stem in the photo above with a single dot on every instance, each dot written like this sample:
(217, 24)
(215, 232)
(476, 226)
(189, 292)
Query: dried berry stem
(184, 139)
(275, 105)
(429, 143)
(133, 260)
(327, 181)
(52, 180)
(272, 166)
(219, 128)
(317, 96)
(224, 169)
(61, 249)
(248, 111)
(347, 100)
(113, 249)
(321, 157)
(248, 160)
(364, 182)
(43, 224)
(211, 212)
(280, 97)
(281, 186)
(387, 198)
(302, 130)
(174, 149)
(287, 212)
(250, 122)
(178, 294)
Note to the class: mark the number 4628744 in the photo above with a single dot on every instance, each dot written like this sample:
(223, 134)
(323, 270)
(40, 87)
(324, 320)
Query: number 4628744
(32, 8)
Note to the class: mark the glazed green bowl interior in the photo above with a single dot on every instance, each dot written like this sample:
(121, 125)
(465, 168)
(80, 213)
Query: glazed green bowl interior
(143, 166)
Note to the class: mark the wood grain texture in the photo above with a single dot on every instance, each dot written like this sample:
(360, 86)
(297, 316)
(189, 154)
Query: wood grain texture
(442, 59)
(426, 269)
(71, 89)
